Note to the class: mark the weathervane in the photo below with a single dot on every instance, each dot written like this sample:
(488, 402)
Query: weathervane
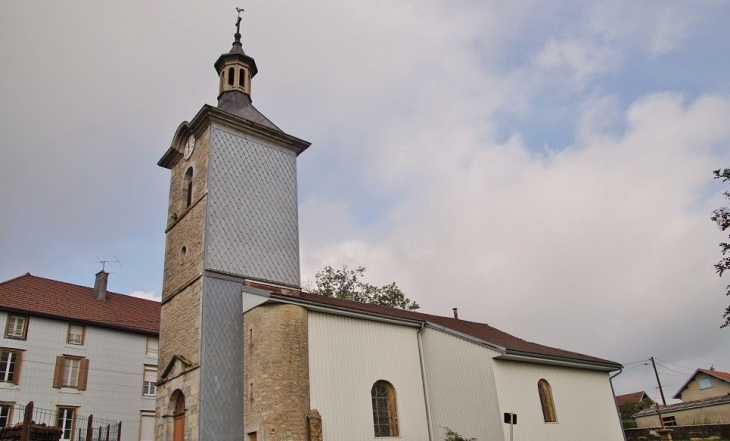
(238, 22)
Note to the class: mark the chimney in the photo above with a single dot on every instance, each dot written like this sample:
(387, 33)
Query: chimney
(100, 285)
(712, 368)
(456, 313)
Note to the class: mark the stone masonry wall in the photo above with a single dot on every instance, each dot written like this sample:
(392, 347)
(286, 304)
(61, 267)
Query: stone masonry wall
(180, 320)
(186, 225)
(276, 373)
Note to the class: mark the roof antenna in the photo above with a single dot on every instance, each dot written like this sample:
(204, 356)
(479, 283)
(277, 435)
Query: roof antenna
(238, 24)
(106, 261)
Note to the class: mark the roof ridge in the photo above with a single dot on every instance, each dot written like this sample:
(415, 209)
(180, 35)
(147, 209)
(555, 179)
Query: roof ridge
(18, 277)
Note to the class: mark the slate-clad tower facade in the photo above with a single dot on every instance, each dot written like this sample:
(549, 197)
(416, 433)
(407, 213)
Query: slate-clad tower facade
(232, 223)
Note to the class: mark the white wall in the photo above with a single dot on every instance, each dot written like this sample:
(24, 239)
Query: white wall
(461, 387)
(346, 357)
(584, 402)
(116, 365)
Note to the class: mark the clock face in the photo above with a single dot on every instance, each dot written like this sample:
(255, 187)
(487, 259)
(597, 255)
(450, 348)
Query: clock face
(189, 147)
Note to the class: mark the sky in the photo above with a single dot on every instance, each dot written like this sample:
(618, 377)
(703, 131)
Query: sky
(545, 167)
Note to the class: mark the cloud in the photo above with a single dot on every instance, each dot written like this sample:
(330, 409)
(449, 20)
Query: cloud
(147, 295)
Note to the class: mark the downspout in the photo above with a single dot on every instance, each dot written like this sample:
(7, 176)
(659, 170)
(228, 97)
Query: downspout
(423, 380)
(618, 412)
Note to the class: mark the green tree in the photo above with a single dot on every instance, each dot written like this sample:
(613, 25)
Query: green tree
(347, 284)
(721, 217)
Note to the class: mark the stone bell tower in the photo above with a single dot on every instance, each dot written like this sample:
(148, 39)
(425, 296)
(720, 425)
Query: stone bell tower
(232, 222)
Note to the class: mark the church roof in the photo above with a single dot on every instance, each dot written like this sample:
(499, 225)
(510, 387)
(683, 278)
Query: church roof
(239, 104)
(37, 296)
(512, 345)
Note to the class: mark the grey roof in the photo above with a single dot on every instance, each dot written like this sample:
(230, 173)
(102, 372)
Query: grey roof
(712, 401)
(239, 104)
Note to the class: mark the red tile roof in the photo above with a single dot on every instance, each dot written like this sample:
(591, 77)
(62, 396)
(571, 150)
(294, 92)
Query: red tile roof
(37, 296)
(721, 375)
(480, 331)
(634, 397)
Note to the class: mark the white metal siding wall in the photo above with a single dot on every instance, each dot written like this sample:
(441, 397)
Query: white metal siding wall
(584, 402)
(116, 368)
(346, 357)
(461, 387)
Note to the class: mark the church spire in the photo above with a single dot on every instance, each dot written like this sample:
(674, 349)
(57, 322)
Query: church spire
(235, 68)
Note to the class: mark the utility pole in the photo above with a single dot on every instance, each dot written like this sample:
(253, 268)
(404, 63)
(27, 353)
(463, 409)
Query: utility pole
(664, 402)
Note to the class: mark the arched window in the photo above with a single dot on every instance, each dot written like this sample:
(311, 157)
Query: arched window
(385, 413)
(241, 77)
(546, 400)
(188, 187)
(231, 72)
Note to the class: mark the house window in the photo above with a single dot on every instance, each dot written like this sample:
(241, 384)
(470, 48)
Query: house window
(71, 372)
(385, 415)
(66, 421)
(150, 381)
(17, 327)
(6, 414)
(152, 346)
(10, 361)
(669, 421)
(75, 334)
(705, 383)
(546, 400)
(147, 426)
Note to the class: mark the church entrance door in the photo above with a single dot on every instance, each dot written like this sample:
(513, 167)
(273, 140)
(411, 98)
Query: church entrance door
(179, 428)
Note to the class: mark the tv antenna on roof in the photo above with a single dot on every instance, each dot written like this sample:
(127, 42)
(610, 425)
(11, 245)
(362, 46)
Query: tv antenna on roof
(106, 261)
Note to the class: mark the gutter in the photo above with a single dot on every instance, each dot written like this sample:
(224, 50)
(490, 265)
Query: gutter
(423, 380)
(345, 312)
(557, 361)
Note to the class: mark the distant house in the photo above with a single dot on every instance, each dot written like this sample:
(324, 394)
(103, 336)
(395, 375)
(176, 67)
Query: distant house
(632, 403)
(76, 351)
(704, 383)
(706, 400)
(632, 398)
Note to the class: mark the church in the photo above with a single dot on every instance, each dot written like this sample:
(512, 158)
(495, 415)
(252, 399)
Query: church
(245, 354)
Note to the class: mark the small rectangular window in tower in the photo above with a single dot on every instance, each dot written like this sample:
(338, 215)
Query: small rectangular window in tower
(75, 334)
(231, 73)
(241, 77)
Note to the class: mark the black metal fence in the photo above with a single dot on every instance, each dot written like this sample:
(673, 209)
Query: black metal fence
(28, 423)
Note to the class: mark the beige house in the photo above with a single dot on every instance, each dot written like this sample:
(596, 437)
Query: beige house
(706, 400)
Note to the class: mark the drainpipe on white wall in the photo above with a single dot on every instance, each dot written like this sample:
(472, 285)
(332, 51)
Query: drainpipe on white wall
(618, 412)
(423, 379)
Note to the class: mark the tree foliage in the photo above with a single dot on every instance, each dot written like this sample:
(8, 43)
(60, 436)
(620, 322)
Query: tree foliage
(629, 409)
(347, 284)
(453, 436)
(721, 217)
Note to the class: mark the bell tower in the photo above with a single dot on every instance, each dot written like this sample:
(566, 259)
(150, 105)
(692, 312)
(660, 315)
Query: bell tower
(232, 223)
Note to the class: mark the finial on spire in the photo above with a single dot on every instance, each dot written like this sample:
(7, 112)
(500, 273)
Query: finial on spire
(238, 24)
